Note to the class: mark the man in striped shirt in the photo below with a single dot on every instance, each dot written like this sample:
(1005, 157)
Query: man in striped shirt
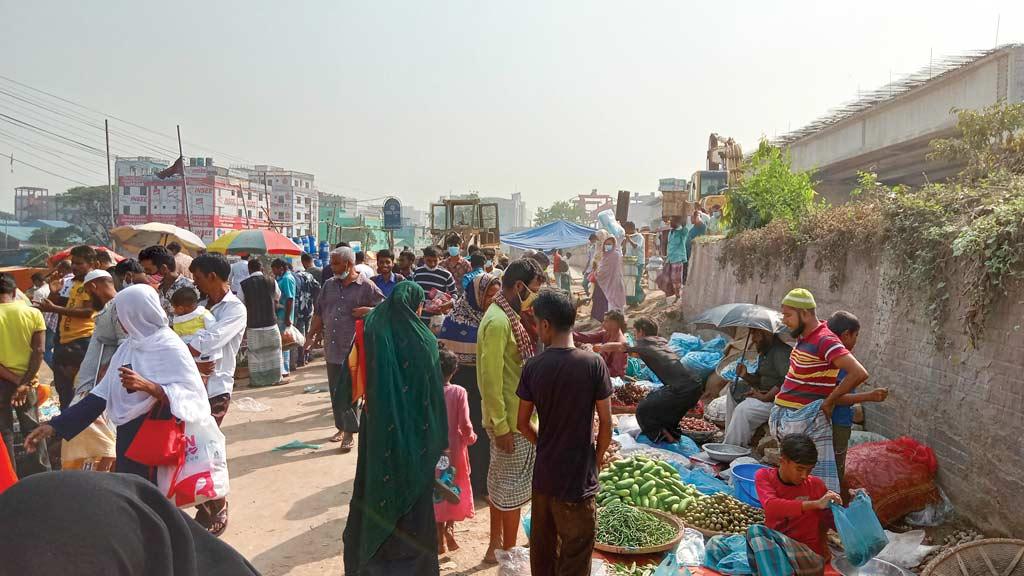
(814, 365)
(430, 276)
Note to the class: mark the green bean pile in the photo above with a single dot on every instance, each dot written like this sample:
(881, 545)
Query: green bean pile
(633, 570)
(622, 525)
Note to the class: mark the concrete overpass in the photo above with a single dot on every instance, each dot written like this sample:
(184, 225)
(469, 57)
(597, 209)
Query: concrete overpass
(888, 131)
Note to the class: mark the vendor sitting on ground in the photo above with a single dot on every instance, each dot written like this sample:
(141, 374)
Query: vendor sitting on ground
(660, 412)
(793, 538)
(750, 399)
(612, 330)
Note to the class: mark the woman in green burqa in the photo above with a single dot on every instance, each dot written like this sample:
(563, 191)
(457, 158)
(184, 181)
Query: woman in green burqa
(391, 529)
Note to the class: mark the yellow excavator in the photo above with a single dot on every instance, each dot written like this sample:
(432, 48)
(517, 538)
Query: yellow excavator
(724, 168)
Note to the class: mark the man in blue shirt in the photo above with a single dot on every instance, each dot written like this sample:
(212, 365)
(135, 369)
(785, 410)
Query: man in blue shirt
(386, 278)
(675, 265)
(285, 306)
(698, 227)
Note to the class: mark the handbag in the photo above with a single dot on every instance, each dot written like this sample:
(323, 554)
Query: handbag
(202, 473)
(159, 442)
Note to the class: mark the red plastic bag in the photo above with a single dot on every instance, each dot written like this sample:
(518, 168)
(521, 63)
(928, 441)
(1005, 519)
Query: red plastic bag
(899, 475)
(7, 475)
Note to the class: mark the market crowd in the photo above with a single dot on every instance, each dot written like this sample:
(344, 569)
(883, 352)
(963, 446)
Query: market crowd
(460, 374)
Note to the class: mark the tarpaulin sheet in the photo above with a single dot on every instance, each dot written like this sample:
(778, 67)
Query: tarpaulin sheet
(557, 234)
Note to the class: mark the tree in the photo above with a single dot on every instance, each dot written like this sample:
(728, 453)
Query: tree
(990, 142)
(88, 208)
(769, 190)
(560, 210)
(56, 237)
(8, 216)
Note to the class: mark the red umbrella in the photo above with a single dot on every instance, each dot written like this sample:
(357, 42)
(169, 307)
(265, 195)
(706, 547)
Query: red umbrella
(66, 253)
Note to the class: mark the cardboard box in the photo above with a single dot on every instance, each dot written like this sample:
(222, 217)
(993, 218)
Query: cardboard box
(675, 204)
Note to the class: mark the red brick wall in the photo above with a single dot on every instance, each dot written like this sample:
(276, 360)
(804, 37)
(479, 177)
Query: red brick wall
(967, 404)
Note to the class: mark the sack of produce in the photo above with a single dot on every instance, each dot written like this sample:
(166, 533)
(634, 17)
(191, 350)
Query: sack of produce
(859, 529)
(898, 475)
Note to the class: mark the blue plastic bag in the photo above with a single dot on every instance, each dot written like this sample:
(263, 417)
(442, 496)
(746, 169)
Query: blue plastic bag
(702, 363)
(670, 566)
(683, 344)
(729, 372)
(716, 344)
(685, 447)
(859, 529)
(728, 555)
(527, 523)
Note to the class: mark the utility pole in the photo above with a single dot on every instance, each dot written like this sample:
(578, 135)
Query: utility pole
(184, 184)
(110, 184)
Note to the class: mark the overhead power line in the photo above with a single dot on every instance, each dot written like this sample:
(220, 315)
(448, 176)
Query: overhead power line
(61, 176)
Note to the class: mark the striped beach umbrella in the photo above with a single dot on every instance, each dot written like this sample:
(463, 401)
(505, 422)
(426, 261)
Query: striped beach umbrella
(255, 242)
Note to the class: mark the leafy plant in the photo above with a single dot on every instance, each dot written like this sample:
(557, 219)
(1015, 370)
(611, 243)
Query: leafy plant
(769, 190)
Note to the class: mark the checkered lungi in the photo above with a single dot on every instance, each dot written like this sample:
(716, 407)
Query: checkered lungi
(264, 355)
(510, 476)
(809, 420)
(768, 553)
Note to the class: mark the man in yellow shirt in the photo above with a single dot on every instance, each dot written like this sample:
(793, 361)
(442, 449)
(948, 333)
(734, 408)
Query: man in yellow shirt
(76, 324)
(23, 340)
(502, 346)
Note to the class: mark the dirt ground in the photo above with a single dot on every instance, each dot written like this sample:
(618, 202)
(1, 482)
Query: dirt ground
(288, 509)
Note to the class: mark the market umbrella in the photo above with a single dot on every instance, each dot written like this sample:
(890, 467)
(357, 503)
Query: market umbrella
(66, 253)
(135, 238)
(255, 242)
(742, 315)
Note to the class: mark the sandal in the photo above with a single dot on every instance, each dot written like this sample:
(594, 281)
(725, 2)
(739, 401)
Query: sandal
(337, 437)
(219, 521)
(348, 442)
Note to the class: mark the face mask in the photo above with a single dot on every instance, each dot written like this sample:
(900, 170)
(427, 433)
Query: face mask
(453, 250)
(608, 248)
(527, 302)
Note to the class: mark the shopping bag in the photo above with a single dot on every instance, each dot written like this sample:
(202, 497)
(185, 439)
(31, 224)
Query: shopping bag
(203, 472)
(159, 442)
(859, 529)
(292, 337)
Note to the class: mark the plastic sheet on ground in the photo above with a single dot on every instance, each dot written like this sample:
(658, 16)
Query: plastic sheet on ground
(729, 372)
(684, 447)
(705, 483)
(247, 404)
(516, 562)
(628, 425)
(296, 445)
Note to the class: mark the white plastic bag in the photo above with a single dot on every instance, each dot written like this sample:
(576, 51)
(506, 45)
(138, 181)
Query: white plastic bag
(292, 336)
(629, 425)
(516, 562)
(204, 473)
(690, 551)
(626, 442)
(933, 514)
(905, 550)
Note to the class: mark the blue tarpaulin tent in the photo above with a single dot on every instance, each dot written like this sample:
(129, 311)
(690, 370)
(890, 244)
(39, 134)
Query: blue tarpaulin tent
(557, 234)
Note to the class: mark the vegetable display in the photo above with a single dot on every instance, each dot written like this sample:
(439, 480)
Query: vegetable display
(646, 483)
(722, 513)
(630, 393)
(633, 570)
(697, 425)
(621, 525)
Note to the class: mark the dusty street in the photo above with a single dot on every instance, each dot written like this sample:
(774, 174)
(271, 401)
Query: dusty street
(288, 509)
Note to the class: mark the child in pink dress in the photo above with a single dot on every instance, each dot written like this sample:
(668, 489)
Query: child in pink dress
(460, 437)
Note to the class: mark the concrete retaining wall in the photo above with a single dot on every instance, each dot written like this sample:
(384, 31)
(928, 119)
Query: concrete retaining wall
(967, 404)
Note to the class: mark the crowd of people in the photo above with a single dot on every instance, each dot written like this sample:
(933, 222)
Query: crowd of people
(460, 374)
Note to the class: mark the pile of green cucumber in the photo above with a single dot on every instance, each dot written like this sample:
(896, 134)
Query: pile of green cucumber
(646, 483)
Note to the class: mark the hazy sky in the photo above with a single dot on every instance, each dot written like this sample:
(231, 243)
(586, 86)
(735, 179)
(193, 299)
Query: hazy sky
(415, 99)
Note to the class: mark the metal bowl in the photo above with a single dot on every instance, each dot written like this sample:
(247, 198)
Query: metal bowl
(725, 452)
(874, 567)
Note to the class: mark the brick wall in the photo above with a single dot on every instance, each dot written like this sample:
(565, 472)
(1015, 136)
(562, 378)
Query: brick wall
(967, 404)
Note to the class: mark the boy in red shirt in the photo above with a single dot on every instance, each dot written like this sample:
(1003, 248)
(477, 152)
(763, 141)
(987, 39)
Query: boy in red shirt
(792, 540)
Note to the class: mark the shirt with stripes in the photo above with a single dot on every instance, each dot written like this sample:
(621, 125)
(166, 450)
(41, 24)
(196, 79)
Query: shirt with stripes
(812, 370)
(438, 278)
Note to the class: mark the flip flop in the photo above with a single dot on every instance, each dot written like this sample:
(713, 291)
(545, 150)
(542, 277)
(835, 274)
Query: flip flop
(219, 522)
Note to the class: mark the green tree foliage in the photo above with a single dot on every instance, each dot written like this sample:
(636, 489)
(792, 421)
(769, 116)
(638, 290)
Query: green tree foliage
(770, 190)
(7, 216)
(990, 142)
(560, 210)
(55, 237)
(88, 208)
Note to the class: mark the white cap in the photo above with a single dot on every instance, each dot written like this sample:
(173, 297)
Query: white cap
(95, 275)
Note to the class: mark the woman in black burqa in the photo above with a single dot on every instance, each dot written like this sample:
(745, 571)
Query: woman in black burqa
(77, 523)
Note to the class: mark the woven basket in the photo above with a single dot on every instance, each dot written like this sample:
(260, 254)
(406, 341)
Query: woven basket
(670, 545)
(990, 557)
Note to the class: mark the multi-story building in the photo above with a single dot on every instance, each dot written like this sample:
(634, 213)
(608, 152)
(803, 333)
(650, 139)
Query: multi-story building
(219, 199)
(32, 203)
(294, 204)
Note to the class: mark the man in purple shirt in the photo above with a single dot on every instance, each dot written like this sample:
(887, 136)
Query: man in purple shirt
(345, 297)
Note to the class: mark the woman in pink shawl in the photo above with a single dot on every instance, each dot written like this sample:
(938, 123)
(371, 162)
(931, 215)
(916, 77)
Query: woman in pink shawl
(609, 291)
(460, 437)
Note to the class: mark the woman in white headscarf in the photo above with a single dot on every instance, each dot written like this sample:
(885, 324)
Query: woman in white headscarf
(609, 289)
(151, 366)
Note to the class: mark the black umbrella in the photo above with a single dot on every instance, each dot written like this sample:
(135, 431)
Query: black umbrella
(742, 316)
